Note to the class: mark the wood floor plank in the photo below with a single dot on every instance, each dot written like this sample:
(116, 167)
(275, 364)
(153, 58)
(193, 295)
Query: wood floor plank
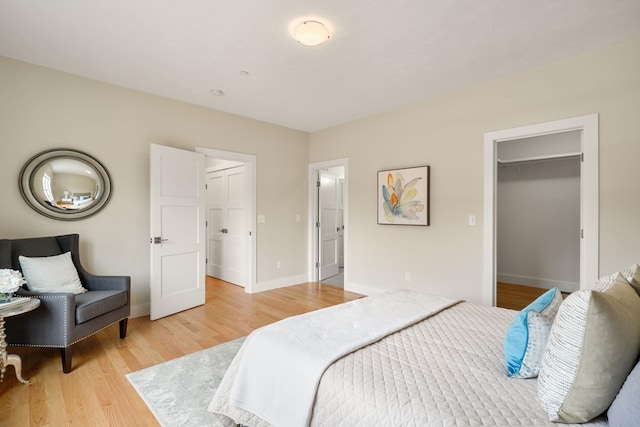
(516, 297)
(97, 393)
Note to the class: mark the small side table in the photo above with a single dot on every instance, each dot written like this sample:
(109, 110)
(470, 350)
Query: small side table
(13, 359)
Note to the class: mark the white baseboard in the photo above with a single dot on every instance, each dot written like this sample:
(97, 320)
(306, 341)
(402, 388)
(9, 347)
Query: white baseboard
(362, 289)
(139, 310)
(538, 282)
(280, 283)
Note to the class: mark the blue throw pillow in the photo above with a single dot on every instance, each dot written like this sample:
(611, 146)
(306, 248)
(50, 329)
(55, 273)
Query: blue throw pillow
(625, 409)
(528, 333)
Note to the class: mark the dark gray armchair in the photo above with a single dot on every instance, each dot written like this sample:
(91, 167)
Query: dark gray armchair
(63, 319)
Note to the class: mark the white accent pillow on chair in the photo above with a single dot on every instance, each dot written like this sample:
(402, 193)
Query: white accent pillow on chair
(51, 274)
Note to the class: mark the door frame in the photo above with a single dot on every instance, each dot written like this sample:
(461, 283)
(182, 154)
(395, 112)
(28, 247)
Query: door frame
(589, 196)
(313, 216)
(249, 161)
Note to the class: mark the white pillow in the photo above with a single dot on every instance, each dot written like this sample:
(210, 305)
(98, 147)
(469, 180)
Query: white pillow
(593, 345)
(632, 274)
(51, 274)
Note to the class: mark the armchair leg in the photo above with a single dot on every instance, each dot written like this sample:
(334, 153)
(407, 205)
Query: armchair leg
(66, 354)
(123, 328)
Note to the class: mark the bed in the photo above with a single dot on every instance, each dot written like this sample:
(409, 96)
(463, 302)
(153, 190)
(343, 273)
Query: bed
(447, 369)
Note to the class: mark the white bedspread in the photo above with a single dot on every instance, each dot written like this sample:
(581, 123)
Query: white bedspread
(283, 362)
(447, 370)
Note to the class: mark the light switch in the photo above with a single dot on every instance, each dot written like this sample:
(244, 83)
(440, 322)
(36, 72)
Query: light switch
(472, 220)
(261, 219)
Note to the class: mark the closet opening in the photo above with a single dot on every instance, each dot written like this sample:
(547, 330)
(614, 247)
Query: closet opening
(537, 217)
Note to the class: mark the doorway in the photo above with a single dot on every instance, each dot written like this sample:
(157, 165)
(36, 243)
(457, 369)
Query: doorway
(538, 212)
(227, 225)
(231, 194)
(328, 183)
(587, 126)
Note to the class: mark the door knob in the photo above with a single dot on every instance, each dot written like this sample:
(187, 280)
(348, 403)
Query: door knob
(224, 230)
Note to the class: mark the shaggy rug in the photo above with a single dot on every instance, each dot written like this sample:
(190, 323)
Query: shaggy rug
(179, 391)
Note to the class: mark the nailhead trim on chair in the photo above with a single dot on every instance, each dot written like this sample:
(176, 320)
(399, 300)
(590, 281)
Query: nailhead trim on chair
(65, 326)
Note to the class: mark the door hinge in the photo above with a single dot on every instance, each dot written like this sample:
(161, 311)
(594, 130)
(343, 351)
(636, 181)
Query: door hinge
(318, 224)
(249, 233)
(206, 223)
(582, 157)
(582, 233)
(317, 265)
(318, 184)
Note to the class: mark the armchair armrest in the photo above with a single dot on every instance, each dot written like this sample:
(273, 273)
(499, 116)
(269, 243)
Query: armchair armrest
(49, 325)
(105, 283)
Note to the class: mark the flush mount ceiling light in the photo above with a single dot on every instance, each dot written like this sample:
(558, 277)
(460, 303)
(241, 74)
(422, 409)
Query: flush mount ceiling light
(310, 33)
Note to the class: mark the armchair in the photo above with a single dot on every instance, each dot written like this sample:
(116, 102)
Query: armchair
(63, 319)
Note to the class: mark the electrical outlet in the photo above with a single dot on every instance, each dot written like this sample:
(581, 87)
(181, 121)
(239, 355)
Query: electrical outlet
(407, 276)
(278, 265)
(472, 220)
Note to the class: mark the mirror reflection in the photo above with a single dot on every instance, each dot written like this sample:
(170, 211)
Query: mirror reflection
(65, 184)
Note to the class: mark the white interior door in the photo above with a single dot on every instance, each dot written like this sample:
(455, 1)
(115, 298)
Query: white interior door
(328, 207)
(228, 233)
(177, 230)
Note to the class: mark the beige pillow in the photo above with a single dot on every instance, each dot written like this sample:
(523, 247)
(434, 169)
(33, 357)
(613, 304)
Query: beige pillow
(51, 274)
(593, 345)
(632, 274)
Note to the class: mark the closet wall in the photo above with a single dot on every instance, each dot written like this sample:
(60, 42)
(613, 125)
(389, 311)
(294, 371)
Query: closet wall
(538, 211)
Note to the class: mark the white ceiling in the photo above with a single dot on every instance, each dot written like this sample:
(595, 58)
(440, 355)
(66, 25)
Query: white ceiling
(382, 54)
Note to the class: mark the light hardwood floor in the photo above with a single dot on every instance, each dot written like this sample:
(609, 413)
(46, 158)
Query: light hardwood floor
(516, 297)
(96, 392)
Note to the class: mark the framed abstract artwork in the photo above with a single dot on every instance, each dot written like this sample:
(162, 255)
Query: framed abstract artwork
(403, 196)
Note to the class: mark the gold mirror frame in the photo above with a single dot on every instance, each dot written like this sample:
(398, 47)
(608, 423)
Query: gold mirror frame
(65, 184)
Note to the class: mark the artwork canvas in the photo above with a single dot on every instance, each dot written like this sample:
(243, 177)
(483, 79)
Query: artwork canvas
(403, 196)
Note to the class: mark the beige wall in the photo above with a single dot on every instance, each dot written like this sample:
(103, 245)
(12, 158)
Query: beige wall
(42, 109)
(447, 134)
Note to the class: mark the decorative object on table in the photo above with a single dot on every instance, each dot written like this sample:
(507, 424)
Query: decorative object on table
(403, 196)
(87, 184)
(10, 281)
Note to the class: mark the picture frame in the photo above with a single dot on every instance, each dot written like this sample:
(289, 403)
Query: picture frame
(403, 196)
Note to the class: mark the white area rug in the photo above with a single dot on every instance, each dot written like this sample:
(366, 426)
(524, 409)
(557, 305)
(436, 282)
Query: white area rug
(179, 391)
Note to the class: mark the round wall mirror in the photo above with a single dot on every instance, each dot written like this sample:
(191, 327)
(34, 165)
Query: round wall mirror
(65, 184)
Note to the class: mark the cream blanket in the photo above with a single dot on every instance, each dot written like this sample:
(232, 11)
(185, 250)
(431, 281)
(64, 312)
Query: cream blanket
(283, 362)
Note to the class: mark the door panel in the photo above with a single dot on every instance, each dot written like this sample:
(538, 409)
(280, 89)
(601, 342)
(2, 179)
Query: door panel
(228, 229)
(328, 230)
(177, 230)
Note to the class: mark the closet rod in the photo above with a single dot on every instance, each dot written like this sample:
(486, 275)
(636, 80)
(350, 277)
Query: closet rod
(540, 158)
